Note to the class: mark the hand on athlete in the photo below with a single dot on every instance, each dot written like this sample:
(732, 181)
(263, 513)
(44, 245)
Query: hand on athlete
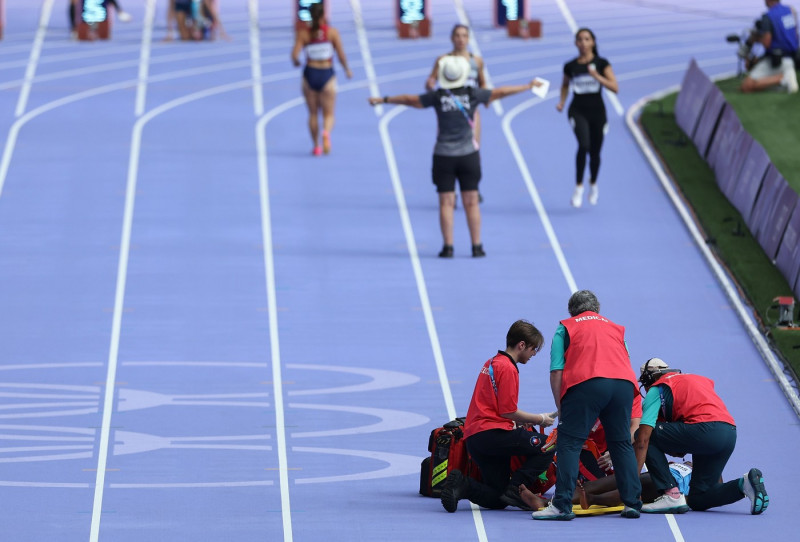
(604, 461)
(560, 107)
(374, 100)
(348, 73)
(592, 70)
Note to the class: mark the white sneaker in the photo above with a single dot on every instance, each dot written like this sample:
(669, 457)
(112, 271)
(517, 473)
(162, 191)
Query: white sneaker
(552, 513)
(666, 505)
(594, 193)
(577, 196)
(124, 16)
(789, 82)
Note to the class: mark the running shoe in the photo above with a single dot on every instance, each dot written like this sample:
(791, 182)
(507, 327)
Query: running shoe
(594, 193)
(753, 488)
(447, 251)
(124, 16)
(553, 514)
(478, 252)
(577, 196)
(317, 151)
(666, 505)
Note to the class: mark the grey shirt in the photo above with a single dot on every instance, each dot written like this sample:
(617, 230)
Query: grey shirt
(455, 137)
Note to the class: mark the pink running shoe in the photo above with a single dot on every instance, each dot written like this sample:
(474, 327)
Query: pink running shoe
(317, 151)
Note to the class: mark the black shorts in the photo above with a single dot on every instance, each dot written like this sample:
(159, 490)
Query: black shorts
(446, 169)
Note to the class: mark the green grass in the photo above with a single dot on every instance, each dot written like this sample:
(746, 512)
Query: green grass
(768, 117)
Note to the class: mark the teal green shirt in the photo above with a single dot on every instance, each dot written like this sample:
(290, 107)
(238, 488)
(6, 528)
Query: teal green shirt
(650, 407)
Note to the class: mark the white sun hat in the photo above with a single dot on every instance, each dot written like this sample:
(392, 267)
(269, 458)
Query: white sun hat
(453, 71)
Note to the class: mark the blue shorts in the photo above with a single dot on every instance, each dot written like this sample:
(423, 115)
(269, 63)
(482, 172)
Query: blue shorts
(317, 78)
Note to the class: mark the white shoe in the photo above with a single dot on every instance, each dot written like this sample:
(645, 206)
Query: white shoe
(577, 196)
(666, 505)
(124, 16)
(789, 82)
(594, 193)
(552, 513)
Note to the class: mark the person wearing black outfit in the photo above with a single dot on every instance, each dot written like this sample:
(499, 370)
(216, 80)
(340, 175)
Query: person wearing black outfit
(588, 74)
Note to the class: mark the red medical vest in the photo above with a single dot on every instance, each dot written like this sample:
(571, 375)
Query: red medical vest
(596, 350)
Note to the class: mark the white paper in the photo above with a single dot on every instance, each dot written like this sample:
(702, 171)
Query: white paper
(541, 90)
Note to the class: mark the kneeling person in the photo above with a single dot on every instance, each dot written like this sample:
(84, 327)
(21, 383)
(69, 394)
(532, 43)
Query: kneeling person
(495, 432)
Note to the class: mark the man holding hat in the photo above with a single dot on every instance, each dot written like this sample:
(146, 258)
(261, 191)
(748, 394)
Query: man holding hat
(682, 414)
(456, 155)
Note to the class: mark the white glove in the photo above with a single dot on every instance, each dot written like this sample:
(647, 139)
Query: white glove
(548, 419)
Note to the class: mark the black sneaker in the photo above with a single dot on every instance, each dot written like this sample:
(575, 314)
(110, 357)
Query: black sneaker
(477, 251)
(511, 497)
(455, 489)
(753, 488)
(447, 251)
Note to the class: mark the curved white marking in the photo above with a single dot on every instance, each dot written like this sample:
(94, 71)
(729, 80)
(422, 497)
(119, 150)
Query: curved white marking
(399, 465)
(391, 420)
(380, 379)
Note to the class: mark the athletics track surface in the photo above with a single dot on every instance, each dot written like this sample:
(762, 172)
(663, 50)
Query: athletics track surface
(207, 334)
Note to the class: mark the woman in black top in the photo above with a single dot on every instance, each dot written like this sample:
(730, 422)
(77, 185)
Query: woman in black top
(588, 74)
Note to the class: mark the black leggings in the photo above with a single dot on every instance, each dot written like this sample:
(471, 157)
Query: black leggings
(589, 127)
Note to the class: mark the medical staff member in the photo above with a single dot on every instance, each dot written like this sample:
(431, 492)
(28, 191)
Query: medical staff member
(495, 429)
(682, 414)
(591, 377)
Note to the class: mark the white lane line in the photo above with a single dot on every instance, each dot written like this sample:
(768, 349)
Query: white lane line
(366, 55)
(33, 60)
(274, 336)
(422, 289)
(255, 57)
(565, 12)
(144, 58)
(122, 273)
(744, 314)
(473, 43)
(534, 193)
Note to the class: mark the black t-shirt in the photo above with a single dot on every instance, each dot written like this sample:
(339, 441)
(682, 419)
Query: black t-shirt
(586, 89)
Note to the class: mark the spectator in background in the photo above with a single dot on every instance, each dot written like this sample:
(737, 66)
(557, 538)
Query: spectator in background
(320, 41)
(777, 31)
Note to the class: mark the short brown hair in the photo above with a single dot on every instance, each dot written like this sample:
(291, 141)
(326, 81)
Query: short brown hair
(522, 330)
